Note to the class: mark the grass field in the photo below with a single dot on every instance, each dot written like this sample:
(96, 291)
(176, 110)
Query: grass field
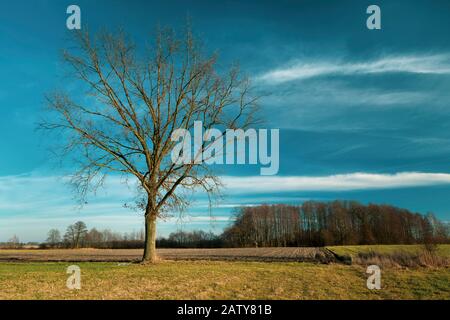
(203, 279)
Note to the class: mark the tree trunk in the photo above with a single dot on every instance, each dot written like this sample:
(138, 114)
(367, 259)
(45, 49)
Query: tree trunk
(150, 238)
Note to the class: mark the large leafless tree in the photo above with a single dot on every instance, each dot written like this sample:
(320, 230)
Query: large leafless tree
(136, 99)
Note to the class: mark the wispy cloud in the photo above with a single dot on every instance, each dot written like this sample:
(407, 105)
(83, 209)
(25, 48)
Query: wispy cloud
(341, 182)
(28, 194)
(313, 95)
(420, 64)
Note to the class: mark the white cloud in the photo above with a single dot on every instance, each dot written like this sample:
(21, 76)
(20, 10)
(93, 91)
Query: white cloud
(420, 64)
(34, 192)
(341, 182)
(189, 218)
(46, 196)
(309, 97)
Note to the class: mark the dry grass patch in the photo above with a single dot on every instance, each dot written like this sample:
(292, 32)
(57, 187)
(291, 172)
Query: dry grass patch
(410, 256)
(218, 280)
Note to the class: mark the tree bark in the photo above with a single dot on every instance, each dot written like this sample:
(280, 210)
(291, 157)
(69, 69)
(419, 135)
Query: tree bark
(150, 237)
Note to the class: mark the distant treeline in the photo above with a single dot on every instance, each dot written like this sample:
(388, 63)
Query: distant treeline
(309, 224)
(14, 243)
(332, 223)
(193, 239)
(77, 235)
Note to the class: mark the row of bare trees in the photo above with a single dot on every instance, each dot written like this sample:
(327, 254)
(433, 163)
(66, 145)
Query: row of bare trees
(309, 224)
(12, 243)
(191, 239)
(332, 223)
(78, 236)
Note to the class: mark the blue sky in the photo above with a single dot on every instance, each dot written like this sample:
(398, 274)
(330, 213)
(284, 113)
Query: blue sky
(364, 114)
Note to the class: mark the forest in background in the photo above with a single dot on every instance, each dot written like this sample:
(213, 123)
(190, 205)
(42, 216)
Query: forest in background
(332, 223)
(311, 224)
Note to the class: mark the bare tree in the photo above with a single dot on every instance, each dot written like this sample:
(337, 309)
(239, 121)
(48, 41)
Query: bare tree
(53, 237)
(76, 234)
(94, 237)
(136, 101)
(14, 242)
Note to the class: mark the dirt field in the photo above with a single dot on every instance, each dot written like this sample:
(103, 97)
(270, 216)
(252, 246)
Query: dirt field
(130, 255)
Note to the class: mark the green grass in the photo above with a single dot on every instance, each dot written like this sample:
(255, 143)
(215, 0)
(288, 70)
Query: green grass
(218, 280)
(443, 250)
